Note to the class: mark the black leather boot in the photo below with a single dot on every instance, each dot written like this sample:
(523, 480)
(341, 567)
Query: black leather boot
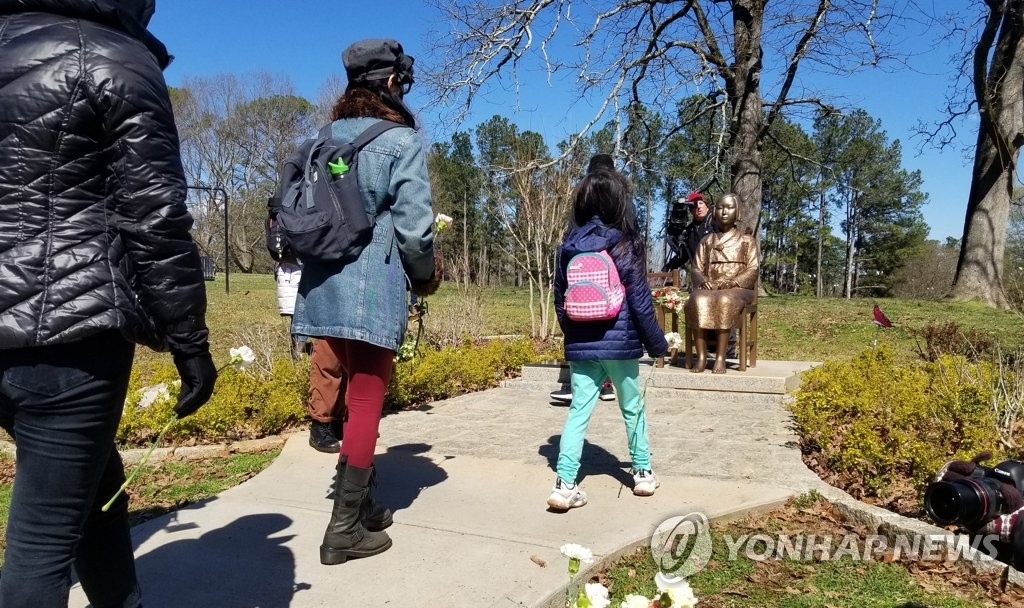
(373, 515)
(346, 537)
(323, 439)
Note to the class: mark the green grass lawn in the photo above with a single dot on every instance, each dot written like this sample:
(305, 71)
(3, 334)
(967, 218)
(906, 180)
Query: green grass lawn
(795, 328)
(790, 328)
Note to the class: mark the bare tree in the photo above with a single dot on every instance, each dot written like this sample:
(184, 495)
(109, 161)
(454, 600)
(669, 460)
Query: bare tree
(997, 73)
(655, 53)
(536, 223)
(328, 94)
(235, 133)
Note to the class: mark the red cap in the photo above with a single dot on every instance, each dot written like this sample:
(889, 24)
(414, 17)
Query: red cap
(694, 197)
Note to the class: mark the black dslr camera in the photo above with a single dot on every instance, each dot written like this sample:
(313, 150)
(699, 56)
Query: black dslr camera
(976, 499)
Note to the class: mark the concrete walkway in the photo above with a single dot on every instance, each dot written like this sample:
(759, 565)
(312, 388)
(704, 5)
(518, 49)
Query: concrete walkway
(468, 479)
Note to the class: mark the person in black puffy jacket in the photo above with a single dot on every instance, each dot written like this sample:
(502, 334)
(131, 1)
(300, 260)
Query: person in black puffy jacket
(95, 257)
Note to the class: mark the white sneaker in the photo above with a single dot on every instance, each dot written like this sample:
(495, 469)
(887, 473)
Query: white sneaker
(564, 496)
(644, 482)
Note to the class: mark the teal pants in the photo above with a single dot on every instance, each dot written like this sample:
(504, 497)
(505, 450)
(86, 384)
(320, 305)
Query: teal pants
(587, 377)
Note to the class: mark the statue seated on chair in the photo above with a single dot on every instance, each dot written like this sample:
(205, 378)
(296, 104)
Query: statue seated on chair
(725, 272)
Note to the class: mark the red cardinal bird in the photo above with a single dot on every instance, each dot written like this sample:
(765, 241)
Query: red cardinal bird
(880, 319)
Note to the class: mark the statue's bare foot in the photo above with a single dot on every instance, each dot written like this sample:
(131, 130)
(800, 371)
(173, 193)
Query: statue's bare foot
(697, 368)
(719, 367)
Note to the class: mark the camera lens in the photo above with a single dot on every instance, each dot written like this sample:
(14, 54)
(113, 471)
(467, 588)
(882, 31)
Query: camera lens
(964, 502)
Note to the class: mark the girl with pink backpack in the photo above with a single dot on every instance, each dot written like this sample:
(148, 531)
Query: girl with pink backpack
(607, 318)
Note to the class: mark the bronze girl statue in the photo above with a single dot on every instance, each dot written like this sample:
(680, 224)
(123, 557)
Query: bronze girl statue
(724, 279)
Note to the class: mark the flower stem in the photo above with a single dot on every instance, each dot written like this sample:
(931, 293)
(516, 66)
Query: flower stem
(138, 467)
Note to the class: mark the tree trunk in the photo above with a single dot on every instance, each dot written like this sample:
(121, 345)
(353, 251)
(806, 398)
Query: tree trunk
(747, 120)
(818, 288)
(979, 270)
(999, 90)
(851, 244)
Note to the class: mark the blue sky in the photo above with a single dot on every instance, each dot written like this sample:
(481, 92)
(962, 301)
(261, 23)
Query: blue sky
(303, 39)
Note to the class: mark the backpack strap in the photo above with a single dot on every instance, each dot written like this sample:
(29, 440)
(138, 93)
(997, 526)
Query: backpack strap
(373, 131)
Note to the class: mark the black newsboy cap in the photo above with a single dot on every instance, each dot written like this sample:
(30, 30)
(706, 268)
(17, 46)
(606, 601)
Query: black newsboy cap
(600, 162)
(373, 59)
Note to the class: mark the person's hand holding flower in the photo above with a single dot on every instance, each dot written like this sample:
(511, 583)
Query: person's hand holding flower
(189, 400)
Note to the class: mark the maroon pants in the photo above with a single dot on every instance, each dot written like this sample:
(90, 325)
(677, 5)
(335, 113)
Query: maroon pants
(367, 370)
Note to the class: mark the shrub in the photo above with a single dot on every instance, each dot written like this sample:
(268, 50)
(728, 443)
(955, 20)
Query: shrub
(453, 370)
(461, 318)
(245, 405)
(950, 339)
(878, 422)
(269, 397)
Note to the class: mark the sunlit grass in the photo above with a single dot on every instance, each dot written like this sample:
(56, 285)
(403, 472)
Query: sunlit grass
(791, 328)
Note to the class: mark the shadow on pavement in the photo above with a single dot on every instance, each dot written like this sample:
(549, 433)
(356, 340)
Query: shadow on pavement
(240, 565)
(402, 474)
(595, 460)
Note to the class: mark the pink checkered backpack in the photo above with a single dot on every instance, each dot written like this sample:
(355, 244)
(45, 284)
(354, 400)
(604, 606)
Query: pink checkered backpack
(595, 292)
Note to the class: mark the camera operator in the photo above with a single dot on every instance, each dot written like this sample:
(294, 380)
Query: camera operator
(982, 501)
(683, 237)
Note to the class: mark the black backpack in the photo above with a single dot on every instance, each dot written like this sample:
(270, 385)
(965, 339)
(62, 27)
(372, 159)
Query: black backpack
(322, 215)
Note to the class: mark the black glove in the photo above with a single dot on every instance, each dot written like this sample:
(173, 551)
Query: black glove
(429, 287)
(198, 376)
(189, 341)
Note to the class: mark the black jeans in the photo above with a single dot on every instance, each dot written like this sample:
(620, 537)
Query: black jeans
(62, 405)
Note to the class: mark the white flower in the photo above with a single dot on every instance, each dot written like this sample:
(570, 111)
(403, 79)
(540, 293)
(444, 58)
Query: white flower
(635, 601)
(674, 339)
(597, 594)
(677, 588)
(574, 551)
(154, 394)
(442, 221)
(242, 357)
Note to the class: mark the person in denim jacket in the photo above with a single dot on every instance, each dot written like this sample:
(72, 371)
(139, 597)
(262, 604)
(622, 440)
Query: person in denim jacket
(604, 221)
(359, 309)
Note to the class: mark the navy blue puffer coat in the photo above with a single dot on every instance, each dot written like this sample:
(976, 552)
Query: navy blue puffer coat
(635, 329)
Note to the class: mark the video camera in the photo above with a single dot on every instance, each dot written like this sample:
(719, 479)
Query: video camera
(977, 498)
(678, 217)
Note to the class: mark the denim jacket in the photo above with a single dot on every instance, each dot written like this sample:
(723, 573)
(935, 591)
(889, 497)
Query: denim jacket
(366, 299)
